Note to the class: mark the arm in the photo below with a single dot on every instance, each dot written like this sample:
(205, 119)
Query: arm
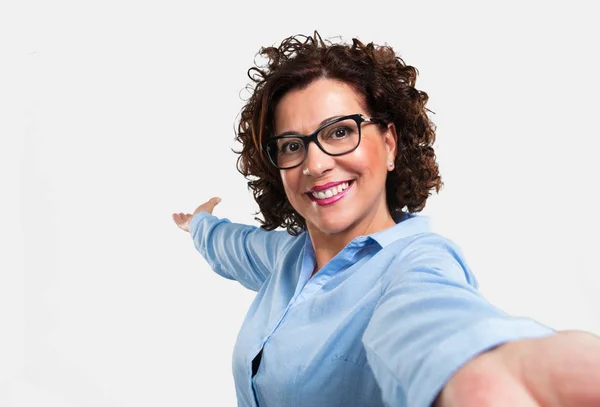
(238, 252)
(562, 370)
(430, 321)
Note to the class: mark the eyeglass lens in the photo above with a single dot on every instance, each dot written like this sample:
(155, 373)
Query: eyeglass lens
(336, 139)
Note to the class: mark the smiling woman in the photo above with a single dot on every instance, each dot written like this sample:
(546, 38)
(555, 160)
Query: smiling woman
(362, 153)
(359, 302)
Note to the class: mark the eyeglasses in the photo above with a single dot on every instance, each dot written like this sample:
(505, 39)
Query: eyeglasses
(337, 137)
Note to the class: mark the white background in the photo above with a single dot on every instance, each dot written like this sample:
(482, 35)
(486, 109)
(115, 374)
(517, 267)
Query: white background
(116, 114)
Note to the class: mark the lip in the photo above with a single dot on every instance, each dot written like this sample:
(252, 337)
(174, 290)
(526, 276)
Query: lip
(327, 186)
(333, 199)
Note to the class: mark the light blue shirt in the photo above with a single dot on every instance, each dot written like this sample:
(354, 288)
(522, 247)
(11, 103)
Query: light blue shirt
(385, 323)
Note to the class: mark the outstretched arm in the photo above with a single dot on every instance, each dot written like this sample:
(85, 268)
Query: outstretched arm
(239, 252)
(434, 340)
(562, 370)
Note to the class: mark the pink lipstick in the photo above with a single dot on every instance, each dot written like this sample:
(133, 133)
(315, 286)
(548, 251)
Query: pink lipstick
(332, 199)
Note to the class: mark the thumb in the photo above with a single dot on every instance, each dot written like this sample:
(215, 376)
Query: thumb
(212, 202)
(208, 206)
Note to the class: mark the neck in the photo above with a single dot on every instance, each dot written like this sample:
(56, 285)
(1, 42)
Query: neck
(327, 245)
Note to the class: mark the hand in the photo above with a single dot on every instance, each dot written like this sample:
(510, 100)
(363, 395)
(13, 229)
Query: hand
(183, 219)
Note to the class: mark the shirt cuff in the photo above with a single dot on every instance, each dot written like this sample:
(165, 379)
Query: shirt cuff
(196, 220)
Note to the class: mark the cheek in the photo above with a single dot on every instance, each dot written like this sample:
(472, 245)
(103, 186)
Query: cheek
(369, 160)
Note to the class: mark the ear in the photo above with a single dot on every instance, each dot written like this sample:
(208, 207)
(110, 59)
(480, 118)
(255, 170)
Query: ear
(391, 142)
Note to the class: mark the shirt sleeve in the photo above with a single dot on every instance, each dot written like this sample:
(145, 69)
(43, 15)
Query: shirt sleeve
(430, 321)
(238, 252)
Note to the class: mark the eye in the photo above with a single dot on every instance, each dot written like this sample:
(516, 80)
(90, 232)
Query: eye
(338, 133)
(290, 147)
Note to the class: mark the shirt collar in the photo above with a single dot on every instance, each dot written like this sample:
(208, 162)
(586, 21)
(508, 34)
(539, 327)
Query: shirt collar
(409, 224)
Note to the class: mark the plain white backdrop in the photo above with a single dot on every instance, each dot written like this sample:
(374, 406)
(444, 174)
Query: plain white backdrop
(116, 114)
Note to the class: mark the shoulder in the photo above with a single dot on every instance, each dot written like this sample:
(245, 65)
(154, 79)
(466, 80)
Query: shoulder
(428, 254)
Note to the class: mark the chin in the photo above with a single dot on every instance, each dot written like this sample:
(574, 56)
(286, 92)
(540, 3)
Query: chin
(332, 225)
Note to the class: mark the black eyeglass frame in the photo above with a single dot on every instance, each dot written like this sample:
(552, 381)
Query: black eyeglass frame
(358, 118)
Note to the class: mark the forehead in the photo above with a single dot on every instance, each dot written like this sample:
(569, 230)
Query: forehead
(303, 110)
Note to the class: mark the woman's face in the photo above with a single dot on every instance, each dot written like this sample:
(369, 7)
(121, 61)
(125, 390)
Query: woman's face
(360, 208)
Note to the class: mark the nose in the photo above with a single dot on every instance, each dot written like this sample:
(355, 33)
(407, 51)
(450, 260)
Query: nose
(317, 162)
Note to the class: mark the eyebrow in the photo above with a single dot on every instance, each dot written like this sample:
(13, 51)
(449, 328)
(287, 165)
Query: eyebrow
(295, 133)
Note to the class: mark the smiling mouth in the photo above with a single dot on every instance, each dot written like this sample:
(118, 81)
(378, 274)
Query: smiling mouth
(330, 192)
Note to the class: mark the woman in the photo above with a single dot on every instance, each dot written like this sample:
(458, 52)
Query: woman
(358, 302)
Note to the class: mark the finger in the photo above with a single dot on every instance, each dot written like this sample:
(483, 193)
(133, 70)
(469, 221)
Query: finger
(179, 218)
(214, 201)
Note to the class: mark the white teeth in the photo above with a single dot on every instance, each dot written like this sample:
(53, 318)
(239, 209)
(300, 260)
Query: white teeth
(328, 193)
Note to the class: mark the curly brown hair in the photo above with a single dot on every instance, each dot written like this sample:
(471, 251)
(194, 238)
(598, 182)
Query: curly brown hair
(388, 87)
